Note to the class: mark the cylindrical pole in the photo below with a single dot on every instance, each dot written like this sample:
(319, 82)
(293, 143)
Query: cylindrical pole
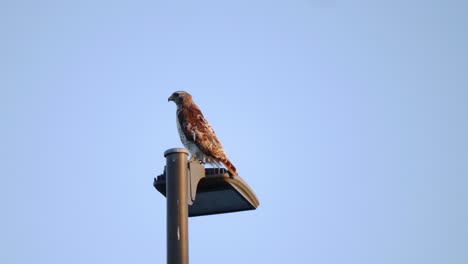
(177, 207)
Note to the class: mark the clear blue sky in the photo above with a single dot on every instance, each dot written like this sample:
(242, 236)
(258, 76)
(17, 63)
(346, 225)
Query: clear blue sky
(347, 118)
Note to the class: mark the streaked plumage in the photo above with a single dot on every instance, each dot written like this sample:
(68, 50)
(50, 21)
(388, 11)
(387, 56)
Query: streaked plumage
(196, 133)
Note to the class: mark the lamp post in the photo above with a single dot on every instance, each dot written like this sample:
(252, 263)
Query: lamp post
(176, 206)
(216, 192)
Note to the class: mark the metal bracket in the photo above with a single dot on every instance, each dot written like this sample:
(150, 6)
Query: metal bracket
(196, 172)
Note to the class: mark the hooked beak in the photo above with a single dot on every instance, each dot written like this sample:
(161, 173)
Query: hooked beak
(170, 98)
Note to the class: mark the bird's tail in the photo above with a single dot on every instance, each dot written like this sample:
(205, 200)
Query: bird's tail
(229, 166)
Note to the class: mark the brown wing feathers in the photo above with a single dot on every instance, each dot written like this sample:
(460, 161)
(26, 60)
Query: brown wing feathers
(229, 166)
(197, 129)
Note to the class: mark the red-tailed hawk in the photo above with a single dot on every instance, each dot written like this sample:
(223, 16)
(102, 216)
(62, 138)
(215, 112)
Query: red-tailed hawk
(196, 134)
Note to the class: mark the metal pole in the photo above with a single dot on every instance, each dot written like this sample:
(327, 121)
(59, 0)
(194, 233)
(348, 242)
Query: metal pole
(177, 207)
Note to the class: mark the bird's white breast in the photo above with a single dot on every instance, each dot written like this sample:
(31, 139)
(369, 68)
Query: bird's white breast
(189, 144)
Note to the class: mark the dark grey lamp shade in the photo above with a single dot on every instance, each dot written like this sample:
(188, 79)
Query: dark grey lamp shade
(216, 193)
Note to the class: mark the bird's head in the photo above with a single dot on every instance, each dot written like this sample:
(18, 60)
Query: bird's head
(179, 97)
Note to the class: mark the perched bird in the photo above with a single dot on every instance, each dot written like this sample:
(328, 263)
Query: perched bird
(197, 135)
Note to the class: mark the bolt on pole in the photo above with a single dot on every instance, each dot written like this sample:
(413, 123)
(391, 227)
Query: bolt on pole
(177, 207)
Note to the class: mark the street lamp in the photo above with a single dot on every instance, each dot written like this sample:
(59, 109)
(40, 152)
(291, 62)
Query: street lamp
(191, 190)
